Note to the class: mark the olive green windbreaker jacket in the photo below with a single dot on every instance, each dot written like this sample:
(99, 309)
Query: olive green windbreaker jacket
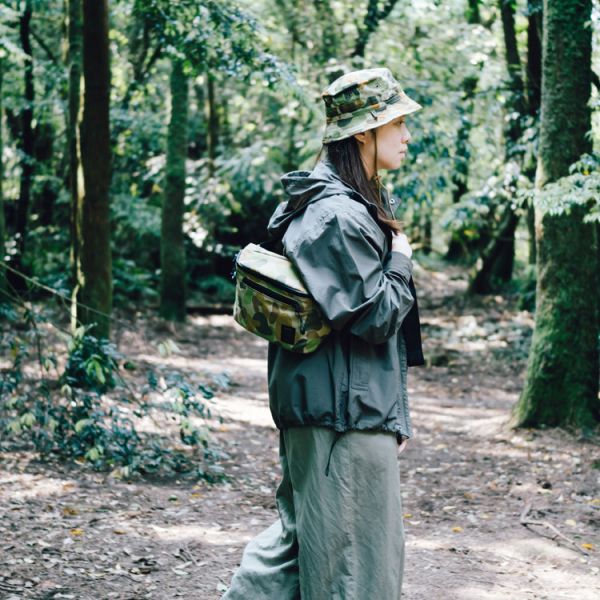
(357, 378)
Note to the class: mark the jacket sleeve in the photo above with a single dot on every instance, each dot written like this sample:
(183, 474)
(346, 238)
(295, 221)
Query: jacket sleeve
(341, 266)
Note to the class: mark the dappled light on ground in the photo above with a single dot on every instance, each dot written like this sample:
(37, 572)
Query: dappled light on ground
(467, 479)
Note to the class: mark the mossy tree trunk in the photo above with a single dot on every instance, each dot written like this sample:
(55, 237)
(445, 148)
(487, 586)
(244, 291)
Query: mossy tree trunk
(74, 63)
(94, 289)
(561, 386)
(172, 251)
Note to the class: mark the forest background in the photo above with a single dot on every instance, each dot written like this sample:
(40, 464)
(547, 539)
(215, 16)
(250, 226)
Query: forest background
(141, 146)
(143, 141)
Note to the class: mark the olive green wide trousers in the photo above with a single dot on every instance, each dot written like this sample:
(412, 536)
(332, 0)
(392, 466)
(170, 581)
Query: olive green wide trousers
(340, 535)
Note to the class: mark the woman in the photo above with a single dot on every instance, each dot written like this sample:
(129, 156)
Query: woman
(343, 409)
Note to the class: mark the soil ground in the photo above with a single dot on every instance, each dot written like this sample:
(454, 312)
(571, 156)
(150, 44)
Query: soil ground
(468, 480)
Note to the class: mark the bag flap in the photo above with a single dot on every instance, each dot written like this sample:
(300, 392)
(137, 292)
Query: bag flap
(272, 266)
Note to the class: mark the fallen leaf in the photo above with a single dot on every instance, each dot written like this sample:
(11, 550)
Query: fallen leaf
(457, 529)
(587, 546)
(76, 531)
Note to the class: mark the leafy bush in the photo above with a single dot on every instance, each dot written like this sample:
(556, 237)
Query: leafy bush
(71, 416)
(580, 188)
(133, 282)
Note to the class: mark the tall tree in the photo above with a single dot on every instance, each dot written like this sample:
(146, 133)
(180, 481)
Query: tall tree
(458, 248)
(94, 289)
(212, 117)
(534, 90)
(172, 252)
(498, 257)
(2, 224)
(27, 133)
(561, 387)
(74, 34)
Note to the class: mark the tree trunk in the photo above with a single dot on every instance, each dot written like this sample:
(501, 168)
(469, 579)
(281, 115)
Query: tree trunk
(72, 150)
(473, 15)
(327, 46)
(498, 258)
(95, 263)
(534, 56)
(561, 386)
(213, 123)
(2, 222)
(459, 248)
(44, 200)
(427, 240)
(27, 136)
(500, 249)
(372, 19)
(534, 87)
(172, 251)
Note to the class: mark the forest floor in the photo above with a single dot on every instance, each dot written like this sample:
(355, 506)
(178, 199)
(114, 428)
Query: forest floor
(468, 480)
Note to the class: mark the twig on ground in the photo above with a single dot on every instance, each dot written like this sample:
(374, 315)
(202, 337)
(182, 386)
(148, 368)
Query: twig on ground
(527, 522)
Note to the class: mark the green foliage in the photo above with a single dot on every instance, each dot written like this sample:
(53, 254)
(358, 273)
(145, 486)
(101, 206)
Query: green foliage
(217, 289)
(227, 211)
(92, 362)
(214, 35)
(87, 412)
(580, 188)
(132, 281)
(471, 219)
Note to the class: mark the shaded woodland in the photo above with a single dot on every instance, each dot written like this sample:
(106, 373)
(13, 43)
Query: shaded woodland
(141, 146)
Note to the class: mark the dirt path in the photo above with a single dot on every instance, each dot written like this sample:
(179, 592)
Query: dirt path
(68, 533)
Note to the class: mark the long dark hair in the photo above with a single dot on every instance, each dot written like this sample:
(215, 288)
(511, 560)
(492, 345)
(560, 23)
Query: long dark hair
(345, 157)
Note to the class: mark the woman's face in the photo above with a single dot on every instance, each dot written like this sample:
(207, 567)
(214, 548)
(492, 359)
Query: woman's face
(392, 145)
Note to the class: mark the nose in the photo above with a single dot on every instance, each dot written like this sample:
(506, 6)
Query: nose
(406, 137)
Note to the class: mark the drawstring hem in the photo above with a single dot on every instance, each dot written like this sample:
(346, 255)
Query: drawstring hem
(338, 435)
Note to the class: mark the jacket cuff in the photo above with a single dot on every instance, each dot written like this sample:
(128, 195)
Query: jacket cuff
(401, 264)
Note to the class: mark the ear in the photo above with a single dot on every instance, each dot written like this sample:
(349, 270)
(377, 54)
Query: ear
(361, 137)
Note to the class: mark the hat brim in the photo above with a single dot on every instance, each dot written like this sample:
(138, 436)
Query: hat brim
(342, 129)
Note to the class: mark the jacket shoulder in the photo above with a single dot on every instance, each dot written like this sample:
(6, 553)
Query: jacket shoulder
(336, 222)
(337, 212)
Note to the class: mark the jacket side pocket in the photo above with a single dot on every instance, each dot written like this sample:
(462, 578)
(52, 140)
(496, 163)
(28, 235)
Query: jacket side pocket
(359, 364)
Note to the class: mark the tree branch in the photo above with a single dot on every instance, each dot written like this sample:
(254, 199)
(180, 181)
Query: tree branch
(43, 46)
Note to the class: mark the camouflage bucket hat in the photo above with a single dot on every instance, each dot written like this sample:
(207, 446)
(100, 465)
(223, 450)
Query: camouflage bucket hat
(362, 100)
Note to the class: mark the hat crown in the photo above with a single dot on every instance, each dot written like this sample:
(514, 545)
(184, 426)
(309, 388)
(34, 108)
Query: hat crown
(378, 77)
(362, 100)
(364, 89)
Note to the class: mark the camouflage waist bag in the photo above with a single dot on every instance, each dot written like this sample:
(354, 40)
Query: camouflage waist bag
(272, 302)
